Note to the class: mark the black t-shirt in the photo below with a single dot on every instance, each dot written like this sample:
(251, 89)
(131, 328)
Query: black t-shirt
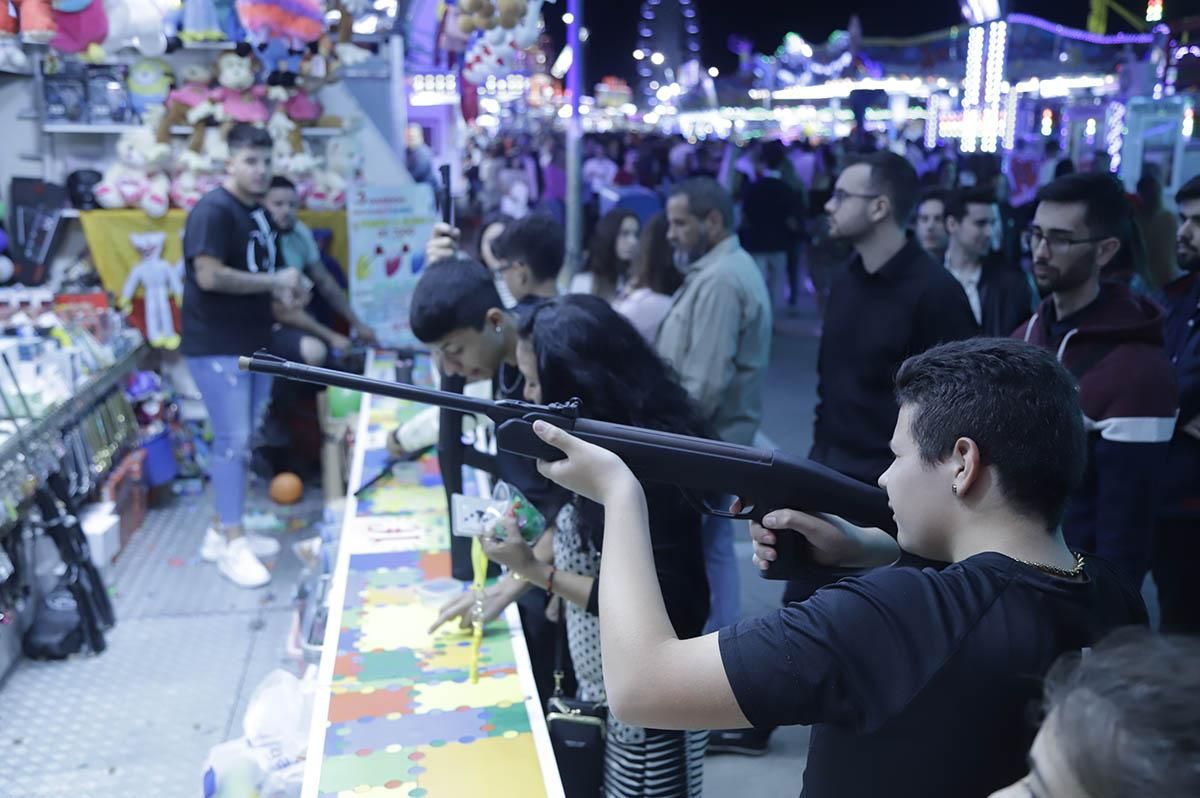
(920, 682)
(241, 237)
(872, 323)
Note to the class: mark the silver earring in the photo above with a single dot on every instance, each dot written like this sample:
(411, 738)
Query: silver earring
(954, 489)
(498, 330)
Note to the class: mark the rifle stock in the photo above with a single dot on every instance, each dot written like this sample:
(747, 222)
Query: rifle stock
(764, 480)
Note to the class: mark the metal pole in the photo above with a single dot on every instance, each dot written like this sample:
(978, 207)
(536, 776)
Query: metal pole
(574, 260)
(399, 91)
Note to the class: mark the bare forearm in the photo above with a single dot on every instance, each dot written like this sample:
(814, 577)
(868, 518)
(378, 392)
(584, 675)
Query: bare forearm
(301, 320)
(219, 278)
(330, 291)
(633, 618)
(575, 588)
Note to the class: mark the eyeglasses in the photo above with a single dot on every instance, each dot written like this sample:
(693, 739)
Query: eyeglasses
(840, 196)
(1032, 238)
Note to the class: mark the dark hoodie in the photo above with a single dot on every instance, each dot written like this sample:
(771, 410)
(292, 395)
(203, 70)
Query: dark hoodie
(1182, 302)
(1128, 395)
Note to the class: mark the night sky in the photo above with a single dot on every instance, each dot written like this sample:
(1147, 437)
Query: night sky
(614, 35)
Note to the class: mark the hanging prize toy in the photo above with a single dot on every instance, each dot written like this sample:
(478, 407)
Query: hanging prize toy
(479, 567)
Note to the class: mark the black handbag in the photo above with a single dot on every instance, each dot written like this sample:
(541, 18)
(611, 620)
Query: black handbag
(577, 731)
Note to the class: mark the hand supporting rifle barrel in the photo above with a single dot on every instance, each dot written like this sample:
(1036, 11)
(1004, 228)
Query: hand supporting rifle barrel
(764, 480)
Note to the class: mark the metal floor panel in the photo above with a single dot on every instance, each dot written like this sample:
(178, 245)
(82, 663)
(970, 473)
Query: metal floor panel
(188, 650)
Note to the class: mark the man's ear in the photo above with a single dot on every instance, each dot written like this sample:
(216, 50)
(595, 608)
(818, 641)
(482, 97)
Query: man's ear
(1106, 250)
(715, 220)
(951, 225)
(493, 319)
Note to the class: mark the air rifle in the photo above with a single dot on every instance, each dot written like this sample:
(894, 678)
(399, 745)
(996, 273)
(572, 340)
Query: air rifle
(765, 480)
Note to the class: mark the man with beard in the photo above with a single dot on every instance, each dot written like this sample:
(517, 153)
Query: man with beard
(891, 302)
(1177, 533)
(717, 337)
(1112, 341)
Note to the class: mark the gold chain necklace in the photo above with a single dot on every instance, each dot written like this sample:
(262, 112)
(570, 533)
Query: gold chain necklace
(1050, 569)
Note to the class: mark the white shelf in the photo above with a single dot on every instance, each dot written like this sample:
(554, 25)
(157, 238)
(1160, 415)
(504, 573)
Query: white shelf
(178, 130)
(83, 127)
(69, 213)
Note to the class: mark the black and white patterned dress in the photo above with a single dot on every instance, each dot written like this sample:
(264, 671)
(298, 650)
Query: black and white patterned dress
(638, 763)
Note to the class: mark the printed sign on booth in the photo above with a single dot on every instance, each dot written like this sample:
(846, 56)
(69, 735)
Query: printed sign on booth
(389, 226)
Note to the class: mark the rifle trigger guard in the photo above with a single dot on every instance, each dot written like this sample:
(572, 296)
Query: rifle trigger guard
(700, 505)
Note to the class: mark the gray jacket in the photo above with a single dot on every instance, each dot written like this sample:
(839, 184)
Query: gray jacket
(717, 337)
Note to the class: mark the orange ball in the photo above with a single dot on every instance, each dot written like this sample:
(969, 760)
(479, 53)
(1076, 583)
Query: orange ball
(286, 488)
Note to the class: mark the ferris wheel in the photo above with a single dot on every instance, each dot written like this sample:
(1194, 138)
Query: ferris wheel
(668, 39)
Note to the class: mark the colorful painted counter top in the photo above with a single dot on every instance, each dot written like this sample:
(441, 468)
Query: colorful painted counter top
(395, 716)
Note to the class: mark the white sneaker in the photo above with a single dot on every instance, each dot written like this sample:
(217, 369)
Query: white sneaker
(214, 545)
(240, 566)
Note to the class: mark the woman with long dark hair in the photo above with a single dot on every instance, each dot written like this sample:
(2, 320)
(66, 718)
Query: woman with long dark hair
(579, 347)
(610, 256)
(652, 282)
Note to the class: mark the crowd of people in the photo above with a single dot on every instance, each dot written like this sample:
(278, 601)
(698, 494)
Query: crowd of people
(1020, 380)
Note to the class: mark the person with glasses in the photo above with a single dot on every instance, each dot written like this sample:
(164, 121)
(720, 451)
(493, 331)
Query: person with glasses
(1111, 339)
(891, 302)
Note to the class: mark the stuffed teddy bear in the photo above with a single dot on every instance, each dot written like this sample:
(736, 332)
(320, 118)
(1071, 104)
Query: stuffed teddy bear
(159, 281)
(329, 184)
(34, 20)
(80, 24)
(137, 179)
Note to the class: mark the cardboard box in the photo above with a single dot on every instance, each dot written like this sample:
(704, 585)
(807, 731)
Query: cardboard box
(102, 526)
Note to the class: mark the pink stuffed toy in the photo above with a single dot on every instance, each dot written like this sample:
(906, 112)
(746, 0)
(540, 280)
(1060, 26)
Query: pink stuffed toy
(81, 23)
(239, 97)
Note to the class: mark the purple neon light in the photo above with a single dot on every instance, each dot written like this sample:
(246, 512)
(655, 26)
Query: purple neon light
(1079, 35)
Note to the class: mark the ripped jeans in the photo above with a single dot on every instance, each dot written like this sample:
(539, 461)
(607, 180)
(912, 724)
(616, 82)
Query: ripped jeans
(236, 401)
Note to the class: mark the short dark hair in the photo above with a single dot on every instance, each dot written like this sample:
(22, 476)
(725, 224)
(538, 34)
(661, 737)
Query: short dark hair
(538, 241)
(957, 201)
(1189, 191)
(705, 195)
(452, 294)
(935, 194)
(1018, 404)
(773, 153)
(1108, 209)
(893, 176)
(245, 136)
(279, 181)
(1127, 714)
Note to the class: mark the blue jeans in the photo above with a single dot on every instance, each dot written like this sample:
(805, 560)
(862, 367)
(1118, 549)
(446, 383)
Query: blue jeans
(720, 565)
(236, 401)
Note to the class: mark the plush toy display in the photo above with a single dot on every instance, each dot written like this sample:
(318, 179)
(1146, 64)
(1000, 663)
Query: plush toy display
(201, 22)
(158, 280)
(149, 84)
(195, 93)
(240, 99)
(294, 22)
(136, 24)
(329, 184)
(80, 24)
(137, 179)
(34, 20)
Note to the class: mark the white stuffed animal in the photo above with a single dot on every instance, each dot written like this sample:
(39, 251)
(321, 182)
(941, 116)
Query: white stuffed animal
(137, 24)
(342, 165)
(138, 178)
(159, 281)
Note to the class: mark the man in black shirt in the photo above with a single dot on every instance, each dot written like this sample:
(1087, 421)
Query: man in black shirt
(917, 681)
(230, 285)
(890, 302)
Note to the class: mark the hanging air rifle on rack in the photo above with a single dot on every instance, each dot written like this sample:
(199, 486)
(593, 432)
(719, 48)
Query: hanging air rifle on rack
(764, 480)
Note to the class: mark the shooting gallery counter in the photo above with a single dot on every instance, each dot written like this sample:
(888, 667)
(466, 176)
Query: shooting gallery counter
(395, 713)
